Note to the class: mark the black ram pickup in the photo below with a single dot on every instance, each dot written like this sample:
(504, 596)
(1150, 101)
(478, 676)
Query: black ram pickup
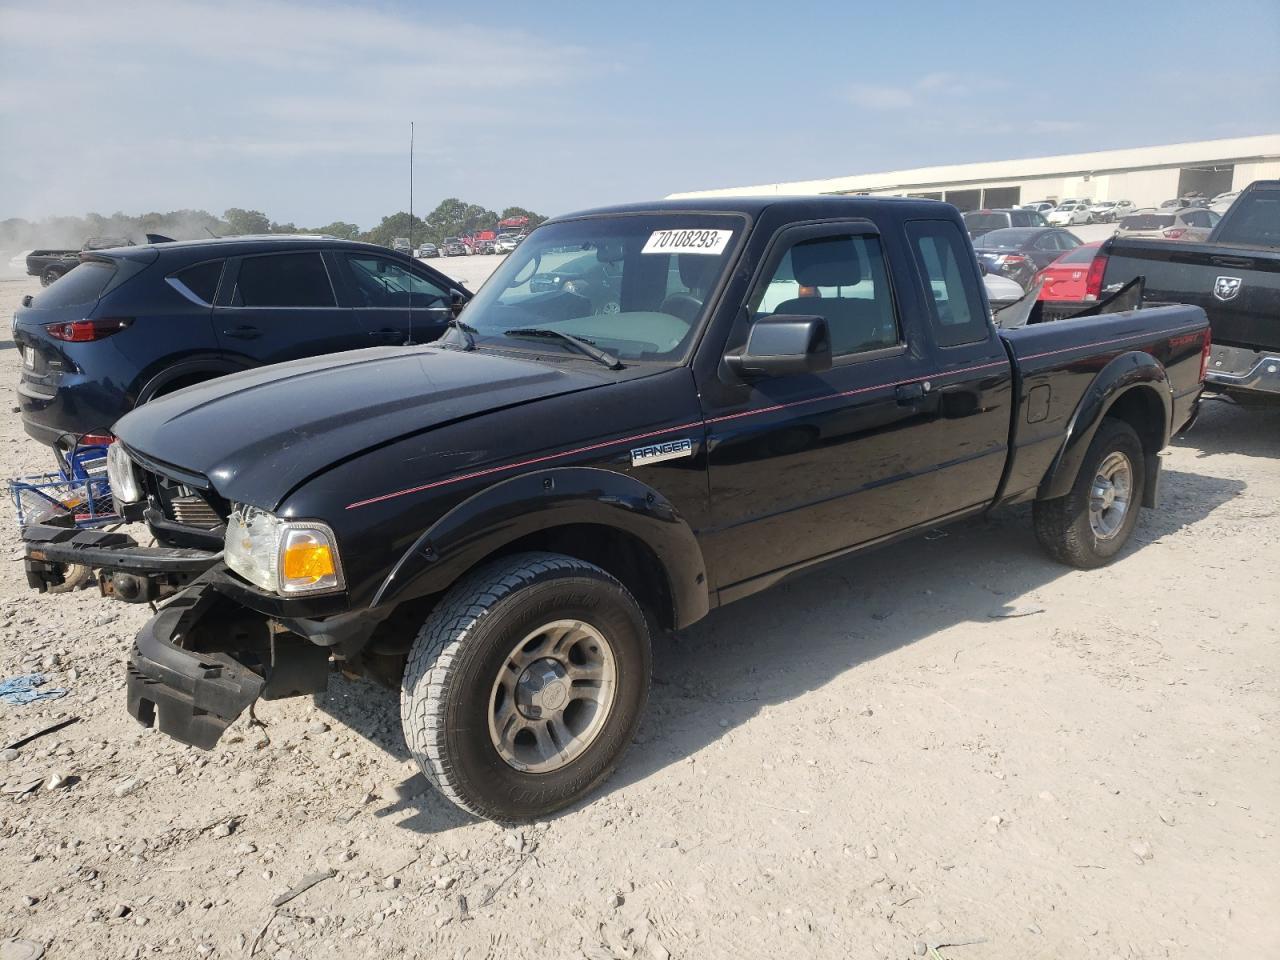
(493, 524)
(1234, 275)
(50, 265)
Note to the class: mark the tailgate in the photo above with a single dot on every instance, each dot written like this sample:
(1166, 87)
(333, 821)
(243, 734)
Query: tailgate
(1237, 287)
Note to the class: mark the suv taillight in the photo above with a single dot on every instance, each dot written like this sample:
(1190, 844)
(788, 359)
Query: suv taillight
(1204, 353)
(1093, 279)
(1175, 233)
(82, 331)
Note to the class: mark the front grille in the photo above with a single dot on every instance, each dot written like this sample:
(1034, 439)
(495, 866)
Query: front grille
(193, 511)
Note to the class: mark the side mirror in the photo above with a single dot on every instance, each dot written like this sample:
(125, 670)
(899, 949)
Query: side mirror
(456, 303)
(781, 345)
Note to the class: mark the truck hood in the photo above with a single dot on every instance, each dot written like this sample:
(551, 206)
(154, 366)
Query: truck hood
(256, 435)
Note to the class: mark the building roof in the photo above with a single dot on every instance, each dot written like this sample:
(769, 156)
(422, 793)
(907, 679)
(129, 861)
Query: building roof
(1200, 153)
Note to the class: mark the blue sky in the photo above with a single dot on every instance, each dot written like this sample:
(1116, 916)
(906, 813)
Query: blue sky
(302, 110)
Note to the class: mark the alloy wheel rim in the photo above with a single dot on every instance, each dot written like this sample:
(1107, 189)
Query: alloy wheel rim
(552, 696)
(1110, 495)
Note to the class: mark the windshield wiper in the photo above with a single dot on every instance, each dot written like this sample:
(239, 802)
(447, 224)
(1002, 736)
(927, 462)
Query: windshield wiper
(467, 331)
(583, 346)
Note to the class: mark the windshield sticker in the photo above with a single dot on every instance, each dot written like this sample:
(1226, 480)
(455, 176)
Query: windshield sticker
(710, 242)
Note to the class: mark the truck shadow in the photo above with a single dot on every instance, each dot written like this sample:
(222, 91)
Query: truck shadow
(723, 671)
(1227, 427)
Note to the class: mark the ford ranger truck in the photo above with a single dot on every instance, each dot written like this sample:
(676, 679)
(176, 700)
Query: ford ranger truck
(1234, 275)
(494, 524)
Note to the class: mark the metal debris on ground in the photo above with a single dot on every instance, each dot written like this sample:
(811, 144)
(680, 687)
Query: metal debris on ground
(307, 882)
(52, 728)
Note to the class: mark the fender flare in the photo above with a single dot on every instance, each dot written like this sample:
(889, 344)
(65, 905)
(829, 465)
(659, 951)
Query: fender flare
(213, 365)
(1130, 371)
(543, 500)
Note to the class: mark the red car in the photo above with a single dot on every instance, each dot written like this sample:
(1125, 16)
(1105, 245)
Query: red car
(1076, 275)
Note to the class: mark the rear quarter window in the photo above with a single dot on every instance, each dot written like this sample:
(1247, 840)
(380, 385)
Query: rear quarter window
(201, 280)
(82, 284)
(950, 283)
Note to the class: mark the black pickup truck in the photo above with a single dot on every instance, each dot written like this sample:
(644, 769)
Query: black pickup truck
(494, 524)
(1234, 275)
(50, 265)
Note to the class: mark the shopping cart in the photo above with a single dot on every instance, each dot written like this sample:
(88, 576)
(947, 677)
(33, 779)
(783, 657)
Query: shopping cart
(78, 494)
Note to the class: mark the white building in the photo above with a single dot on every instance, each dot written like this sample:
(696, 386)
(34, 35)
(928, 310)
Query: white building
(1145, 175)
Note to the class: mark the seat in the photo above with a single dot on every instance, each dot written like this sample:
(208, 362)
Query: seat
(854, 324)
(697, 273)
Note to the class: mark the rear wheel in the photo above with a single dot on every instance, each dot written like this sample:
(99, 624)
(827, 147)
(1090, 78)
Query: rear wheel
(1091, 524)
(525, 685)
(49, 275)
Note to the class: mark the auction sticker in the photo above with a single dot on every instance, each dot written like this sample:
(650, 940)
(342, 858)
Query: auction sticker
(710, 242)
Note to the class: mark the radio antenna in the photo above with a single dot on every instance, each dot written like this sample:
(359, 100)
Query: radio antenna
(411, 246)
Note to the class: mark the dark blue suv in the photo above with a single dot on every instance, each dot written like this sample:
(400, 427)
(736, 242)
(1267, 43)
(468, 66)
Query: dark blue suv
(132, 323)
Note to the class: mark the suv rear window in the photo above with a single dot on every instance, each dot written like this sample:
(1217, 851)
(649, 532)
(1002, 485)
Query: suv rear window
(83, 283)
(283, 280)
(1147, 221)
(985, 221)
(202, 279)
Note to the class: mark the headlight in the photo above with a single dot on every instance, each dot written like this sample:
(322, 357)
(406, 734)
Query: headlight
(288, 557)
(122, 475)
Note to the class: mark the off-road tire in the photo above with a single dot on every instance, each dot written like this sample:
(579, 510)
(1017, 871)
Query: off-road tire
(1062, 524)
(446, 692)
(50, 275)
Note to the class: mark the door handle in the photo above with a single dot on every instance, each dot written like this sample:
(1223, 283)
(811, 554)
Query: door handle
(386, 333)
(909, 393)
(243, 333)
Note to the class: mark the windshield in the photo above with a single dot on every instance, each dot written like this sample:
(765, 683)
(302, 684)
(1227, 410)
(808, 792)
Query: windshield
(632, 284)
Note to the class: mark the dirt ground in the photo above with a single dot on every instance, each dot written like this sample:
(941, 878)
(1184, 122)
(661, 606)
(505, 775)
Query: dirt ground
(869, 761)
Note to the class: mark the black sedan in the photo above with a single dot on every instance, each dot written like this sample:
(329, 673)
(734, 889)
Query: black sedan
(1019, 253)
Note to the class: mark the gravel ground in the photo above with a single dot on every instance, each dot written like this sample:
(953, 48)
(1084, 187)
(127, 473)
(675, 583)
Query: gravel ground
(951, 741)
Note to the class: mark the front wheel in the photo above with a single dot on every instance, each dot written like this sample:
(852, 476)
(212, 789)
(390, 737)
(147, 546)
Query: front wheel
(1091, 524)
(525, 685)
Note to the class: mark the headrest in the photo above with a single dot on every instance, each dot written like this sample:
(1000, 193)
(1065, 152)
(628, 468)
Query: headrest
(826, 262)
(609, 251)
(697, 270)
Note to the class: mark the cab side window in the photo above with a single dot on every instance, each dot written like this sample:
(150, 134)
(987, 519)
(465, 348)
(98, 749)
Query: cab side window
(841, 278)
(950, 282)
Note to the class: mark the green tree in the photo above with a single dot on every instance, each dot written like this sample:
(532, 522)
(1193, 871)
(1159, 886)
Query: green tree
(240, 222)
(340, 229)
(397, 225)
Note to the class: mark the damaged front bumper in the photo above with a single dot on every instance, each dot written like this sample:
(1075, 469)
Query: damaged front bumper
(130, 572)
(190, 696)
(215, 647)
(203, 659)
